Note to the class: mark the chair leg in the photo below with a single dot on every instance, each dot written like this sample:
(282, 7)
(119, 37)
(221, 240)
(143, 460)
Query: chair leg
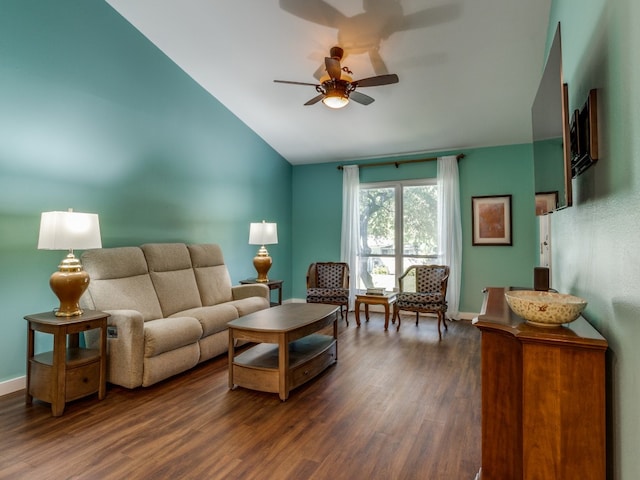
(439, 320)
(346, 314)
(417, 315)
(396, 314)
(444, 320)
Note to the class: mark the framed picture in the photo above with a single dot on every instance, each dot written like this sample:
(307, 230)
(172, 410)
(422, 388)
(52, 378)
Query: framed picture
(546, 202)
(491, 220)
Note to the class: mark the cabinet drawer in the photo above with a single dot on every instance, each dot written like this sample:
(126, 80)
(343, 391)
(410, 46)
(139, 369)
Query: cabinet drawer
(309, 369)
(82, 381)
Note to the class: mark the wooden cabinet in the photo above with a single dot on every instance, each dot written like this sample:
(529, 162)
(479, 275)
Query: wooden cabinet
(543, 397)
(69, 371)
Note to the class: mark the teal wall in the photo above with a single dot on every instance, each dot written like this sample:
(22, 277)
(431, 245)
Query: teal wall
(94, 117)
(317, 215)
(595, 243)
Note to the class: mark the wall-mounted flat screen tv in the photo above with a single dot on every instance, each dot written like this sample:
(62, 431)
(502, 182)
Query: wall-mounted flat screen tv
(551, 134)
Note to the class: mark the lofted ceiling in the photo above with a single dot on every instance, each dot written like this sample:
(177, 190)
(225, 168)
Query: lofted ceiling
(468, 69)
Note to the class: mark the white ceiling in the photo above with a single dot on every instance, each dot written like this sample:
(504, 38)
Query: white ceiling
(469, 70)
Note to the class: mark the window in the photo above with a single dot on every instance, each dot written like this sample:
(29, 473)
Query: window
(392, 214)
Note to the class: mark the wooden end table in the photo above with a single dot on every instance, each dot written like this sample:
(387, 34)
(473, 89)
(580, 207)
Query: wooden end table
(68, 372)
(272, 284)
(386, 300)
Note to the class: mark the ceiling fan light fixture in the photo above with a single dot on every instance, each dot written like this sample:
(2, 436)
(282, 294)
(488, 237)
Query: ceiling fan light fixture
(336, 94)
(335, 100)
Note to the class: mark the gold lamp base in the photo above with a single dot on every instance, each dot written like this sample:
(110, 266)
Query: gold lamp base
(262, 263)
(69, 283)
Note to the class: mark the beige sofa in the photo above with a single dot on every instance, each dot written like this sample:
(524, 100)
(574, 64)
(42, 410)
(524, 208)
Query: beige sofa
(169, 304)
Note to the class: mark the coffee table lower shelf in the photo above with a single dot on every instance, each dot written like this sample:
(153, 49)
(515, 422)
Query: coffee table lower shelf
(257, 368)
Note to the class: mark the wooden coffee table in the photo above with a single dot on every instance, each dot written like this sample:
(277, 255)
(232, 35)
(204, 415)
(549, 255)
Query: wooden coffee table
(289, 351)
(386, 300)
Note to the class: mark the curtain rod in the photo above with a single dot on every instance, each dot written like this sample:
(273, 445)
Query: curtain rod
(400, 162)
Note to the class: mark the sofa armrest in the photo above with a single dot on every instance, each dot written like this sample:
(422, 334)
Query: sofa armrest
(125, 350)
(250, 290)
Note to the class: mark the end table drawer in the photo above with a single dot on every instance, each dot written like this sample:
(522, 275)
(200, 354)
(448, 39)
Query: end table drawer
(82, 381)
(79, 381)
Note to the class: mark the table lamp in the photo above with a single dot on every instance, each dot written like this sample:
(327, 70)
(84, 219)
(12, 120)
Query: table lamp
(69, 231)
(262, 234)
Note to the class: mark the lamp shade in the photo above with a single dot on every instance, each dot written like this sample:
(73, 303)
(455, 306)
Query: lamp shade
(263, 233)
(69, 231)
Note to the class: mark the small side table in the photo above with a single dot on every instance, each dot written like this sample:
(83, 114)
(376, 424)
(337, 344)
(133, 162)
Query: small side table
(68, 372)
(272, 284)
(386, 300)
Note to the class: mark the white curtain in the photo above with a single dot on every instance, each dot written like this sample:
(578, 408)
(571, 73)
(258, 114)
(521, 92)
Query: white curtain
(450, 229)
(350, 226)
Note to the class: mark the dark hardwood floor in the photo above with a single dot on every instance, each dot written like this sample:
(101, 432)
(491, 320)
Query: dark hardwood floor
(397, 405)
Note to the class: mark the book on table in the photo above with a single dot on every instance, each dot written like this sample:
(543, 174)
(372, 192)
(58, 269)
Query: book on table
(375, 291)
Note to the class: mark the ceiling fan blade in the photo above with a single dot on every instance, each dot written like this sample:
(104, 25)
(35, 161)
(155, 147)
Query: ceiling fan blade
(429, 17)
(296, 83)
(316, 11)
(361, 98)
(320, 72)
(379, 80)
(315, 99)
(333, 67)
(377, 62)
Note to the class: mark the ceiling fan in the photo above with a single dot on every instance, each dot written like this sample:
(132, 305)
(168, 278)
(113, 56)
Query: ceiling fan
(337, 87)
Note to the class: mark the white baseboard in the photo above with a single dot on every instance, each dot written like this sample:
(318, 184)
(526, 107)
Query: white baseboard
(14, 385)
(379, 308)
(467, 315)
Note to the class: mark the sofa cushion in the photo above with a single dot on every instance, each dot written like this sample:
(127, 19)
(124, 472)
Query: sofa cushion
(212, 276)
(172, 276)
(165, 334)
(120, 280)
(119, 262)
(213, 319)
(170, 363)
(133, 293)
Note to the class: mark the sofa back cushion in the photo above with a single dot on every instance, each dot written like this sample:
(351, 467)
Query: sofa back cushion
(172, 276)
(212, 276)
(120, 280)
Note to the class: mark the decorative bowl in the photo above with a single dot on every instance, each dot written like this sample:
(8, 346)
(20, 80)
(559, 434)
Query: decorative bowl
(545, 309)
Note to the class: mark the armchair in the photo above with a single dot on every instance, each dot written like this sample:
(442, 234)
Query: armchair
(426, 295)
(328, 282)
